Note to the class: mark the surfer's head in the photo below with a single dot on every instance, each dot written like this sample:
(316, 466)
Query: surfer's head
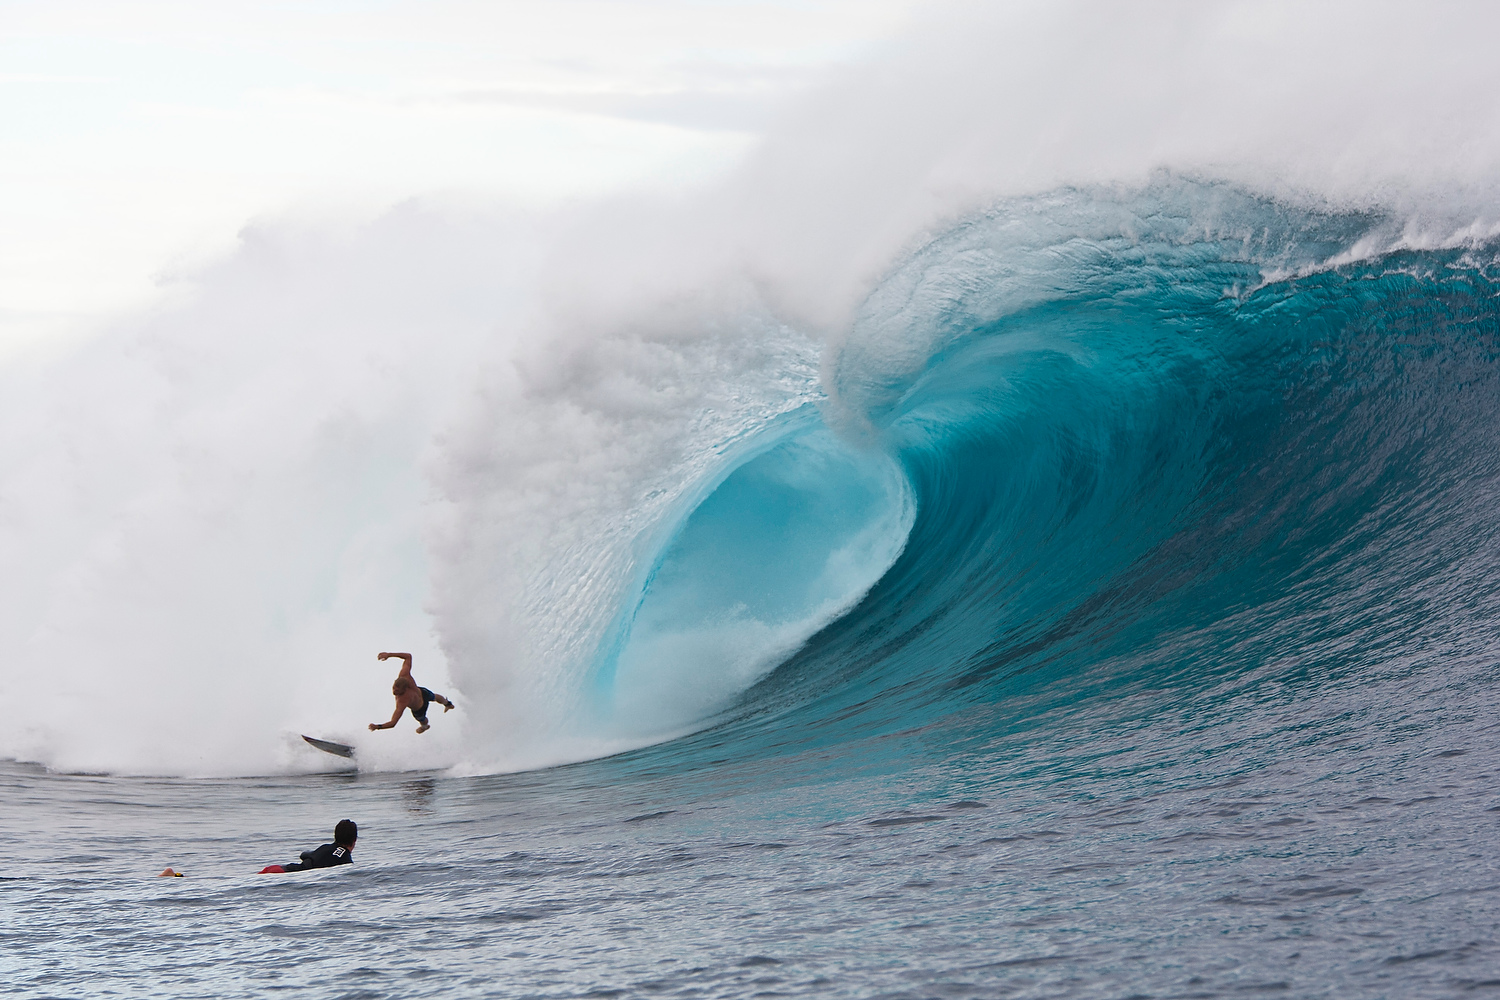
(346, 833)
(400, 686)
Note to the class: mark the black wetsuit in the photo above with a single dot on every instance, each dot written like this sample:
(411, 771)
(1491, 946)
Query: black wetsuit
(420, 714)
(324, 857)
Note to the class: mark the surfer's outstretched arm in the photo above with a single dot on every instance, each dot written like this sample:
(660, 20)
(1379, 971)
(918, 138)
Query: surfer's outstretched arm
(394, 719)
(405, 664)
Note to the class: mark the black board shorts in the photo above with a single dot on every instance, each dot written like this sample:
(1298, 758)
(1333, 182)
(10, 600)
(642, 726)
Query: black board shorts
(420, 714)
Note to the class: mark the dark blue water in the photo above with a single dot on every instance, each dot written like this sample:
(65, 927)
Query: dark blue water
(1182, 683)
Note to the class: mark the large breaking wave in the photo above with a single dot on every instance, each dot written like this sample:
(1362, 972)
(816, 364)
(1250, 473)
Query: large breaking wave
(1191, 452)
(1149, 441)
(1143, 430)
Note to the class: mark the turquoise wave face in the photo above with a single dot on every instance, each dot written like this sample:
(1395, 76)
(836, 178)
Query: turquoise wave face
(1136, 461)
(789, 541)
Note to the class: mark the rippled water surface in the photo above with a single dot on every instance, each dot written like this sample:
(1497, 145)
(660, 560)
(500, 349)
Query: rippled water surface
(1266, 841)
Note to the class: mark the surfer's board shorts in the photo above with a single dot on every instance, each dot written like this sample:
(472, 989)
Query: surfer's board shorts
(420, 714)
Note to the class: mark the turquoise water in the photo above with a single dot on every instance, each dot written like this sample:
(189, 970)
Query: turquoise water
(1149, 561)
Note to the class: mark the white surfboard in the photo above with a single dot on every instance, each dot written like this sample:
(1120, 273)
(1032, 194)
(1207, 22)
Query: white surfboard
(328, 746)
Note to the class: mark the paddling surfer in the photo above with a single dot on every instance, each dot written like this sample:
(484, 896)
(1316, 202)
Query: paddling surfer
(409, 695)
(340, 852)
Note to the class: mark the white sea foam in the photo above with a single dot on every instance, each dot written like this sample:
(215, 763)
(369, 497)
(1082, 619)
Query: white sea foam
(464, 433)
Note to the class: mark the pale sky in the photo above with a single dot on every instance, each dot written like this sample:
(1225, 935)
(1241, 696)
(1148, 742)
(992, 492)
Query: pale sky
(137, 138)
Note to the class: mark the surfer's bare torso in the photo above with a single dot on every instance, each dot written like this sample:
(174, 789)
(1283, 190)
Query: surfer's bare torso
(410, 696)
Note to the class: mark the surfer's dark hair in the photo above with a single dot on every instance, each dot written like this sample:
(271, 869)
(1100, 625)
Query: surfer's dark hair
(346, 832)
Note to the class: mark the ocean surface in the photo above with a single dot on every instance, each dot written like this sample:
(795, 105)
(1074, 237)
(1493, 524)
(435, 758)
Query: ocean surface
(1116, 615)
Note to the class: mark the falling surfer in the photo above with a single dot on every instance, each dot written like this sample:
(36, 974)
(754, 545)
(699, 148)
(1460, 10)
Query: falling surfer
(409, 695)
